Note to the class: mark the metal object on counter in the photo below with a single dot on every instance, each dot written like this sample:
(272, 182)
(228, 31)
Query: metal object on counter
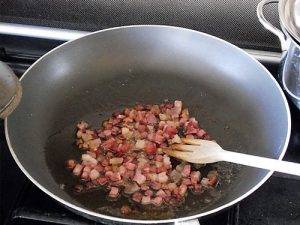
(10, 90)
(289, 15)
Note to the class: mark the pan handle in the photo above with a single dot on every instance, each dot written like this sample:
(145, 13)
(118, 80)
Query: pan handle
(261, 17)
(10, 90)
(188, 222)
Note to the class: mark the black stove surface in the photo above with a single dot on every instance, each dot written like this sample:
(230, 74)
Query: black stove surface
(277, 202)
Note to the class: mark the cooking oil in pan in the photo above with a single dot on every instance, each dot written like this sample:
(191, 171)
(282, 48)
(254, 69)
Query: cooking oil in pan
(96, 199)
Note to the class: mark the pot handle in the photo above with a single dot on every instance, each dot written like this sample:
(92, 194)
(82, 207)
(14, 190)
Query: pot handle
(188, 222)
(268, 25)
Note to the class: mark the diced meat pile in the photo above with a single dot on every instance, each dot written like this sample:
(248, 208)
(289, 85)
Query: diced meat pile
(126, 155)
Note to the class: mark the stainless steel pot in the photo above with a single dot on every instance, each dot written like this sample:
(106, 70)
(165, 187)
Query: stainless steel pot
(289, 36)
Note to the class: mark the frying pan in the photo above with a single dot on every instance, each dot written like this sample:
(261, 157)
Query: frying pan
(231, 94)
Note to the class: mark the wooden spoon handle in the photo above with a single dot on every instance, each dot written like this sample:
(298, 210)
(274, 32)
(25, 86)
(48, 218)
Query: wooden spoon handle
(260, 162)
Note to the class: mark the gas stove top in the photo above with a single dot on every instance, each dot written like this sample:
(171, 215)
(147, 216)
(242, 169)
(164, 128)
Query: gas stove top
(277, 202)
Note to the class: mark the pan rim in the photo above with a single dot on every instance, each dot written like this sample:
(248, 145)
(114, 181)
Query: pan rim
(124, 220)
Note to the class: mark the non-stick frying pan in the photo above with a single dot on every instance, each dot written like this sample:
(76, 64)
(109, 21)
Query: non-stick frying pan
(232, 95)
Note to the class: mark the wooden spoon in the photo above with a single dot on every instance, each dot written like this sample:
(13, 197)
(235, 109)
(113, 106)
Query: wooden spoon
(203, 151)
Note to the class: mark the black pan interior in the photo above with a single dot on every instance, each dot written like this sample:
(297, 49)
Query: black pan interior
(230, 94)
